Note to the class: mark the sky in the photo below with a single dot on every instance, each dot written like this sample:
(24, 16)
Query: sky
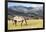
(24, 4)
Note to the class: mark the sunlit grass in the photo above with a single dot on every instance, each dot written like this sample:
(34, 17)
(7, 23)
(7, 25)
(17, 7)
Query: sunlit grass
(33, 23)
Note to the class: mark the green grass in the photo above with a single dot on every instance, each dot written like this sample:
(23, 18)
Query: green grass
(33, 23)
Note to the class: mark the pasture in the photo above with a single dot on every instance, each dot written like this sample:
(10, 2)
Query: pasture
(33, 23)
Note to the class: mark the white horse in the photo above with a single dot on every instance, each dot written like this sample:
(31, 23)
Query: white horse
(19, 19)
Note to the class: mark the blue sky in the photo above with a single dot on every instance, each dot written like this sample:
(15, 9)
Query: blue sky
(17, 4)
(23, 4)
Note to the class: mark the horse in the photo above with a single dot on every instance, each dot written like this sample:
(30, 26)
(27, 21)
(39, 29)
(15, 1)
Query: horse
(19, 19)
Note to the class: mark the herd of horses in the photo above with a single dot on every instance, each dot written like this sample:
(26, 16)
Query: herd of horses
(19, 19)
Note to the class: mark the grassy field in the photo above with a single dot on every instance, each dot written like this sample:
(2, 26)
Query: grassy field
(33, 23)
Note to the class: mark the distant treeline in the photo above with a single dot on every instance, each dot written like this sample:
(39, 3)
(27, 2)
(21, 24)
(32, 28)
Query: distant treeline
(27, 17)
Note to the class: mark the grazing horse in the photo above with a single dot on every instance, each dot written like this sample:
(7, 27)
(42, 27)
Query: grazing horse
(19, 19)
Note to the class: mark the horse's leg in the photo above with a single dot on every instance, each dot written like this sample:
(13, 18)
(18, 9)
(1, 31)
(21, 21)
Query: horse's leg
(25, 21)
(21, 22)
(15, 22)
